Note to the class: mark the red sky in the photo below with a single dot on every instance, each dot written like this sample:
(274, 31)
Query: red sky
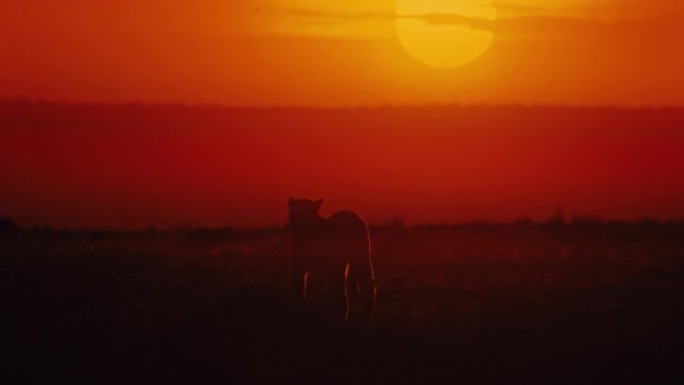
(122, 167)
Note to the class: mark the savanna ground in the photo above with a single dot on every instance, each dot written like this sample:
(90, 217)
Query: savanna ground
(585, 302)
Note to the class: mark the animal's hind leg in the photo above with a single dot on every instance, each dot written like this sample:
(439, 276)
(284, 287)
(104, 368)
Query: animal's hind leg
(298, 284)
(363, 287)
(338, 296)
(369, 292)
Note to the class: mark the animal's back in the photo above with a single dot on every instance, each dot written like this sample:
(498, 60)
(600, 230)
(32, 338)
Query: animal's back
(346, 222)
(342, 238)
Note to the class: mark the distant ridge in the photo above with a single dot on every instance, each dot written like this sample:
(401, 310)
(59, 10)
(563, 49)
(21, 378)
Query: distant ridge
(28, 102)
(27, 113)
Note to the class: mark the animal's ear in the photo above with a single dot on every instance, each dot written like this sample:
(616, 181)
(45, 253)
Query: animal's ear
(319, 203)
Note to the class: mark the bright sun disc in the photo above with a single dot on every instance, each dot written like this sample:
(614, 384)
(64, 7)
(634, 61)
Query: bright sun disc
(445, 33)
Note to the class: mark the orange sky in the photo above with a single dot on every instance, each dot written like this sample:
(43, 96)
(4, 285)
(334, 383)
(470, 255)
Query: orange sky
(83, 165)
(334, 52)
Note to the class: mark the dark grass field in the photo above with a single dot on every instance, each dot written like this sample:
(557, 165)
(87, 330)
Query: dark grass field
(572, 303)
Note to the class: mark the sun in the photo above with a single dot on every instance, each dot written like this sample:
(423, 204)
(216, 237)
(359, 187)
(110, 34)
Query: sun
(445, 33)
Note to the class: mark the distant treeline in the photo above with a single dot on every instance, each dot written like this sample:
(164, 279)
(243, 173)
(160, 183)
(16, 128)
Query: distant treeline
(555, 223)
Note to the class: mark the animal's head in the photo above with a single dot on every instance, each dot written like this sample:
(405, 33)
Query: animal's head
(303, 211)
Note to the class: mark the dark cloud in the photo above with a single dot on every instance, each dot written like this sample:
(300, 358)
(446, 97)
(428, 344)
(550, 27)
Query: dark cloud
(432, 18)
(321, 14)
(453, 19)
(517, 7)
(534, 24)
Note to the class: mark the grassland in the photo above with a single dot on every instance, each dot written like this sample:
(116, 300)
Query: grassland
(582, 302)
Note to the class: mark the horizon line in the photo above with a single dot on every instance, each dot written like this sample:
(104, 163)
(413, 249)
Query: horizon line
(321, 107)
(524, 221)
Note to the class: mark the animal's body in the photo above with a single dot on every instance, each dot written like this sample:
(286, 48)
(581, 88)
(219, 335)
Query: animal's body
(338, 248)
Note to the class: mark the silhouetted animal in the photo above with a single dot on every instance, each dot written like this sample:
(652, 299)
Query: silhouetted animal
(337, 247)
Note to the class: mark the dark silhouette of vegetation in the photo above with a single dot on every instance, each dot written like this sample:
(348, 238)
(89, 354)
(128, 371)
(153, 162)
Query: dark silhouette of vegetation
(207, 234)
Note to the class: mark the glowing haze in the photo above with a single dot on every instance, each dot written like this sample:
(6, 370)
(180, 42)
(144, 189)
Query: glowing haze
(335, 52)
